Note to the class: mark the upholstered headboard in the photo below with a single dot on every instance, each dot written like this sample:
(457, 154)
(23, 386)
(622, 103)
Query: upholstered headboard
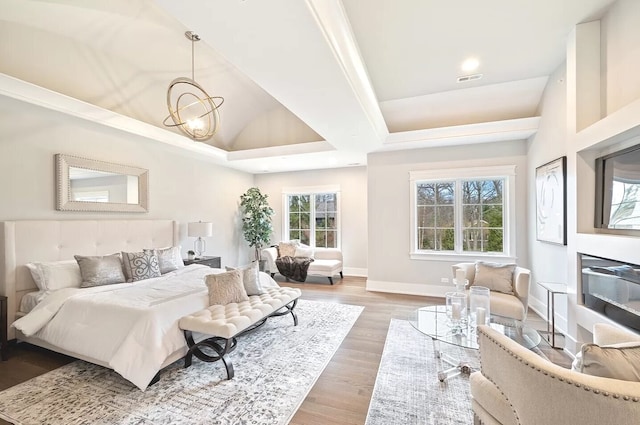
(27, 241)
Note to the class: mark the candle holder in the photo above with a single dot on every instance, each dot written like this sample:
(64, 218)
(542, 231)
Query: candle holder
(479, 305)
(456, 307)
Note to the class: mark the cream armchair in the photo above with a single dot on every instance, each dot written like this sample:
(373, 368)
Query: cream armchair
(517, 386)
(506, 305)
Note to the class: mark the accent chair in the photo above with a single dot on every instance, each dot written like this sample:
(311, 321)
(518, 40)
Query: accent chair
(513, 305)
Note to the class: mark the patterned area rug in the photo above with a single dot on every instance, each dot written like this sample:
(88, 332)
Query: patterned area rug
(275, 367)
(407, 389)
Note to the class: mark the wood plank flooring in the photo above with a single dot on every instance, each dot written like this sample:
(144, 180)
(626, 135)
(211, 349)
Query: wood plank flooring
(342, 393)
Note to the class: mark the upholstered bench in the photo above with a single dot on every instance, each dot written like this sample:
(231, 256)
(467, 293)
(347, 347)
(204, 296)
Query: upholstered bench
(224, 323)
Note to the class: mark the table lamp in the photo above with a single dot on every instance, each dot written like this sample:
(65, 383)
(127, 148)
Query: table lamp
(200, 230)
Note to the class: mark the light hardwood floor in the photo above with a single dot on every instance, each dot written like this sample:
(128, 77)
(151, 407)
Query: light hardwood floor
(343, 391)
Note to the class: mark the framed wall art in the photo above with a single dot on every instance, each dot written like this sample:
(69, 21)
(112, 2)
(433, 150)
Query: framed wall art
(551, 202)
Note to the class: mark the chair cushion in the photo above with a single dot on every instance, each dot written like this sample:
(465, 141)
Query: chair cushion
(506, 306)
(495, 276)
(324, 266)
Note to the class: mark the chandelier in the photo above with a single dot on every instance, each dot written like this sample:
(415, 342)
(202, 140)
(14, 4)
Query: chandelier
(191, 109)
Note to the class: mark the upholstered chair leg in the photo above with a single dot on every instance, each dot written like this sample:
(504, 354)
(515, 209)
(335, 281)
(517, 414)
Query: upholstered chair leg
(330, 280)
(341, 277)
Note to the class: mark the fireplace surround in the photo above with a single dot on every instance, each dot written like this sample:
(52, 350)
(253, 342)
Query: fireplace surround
(612, 288)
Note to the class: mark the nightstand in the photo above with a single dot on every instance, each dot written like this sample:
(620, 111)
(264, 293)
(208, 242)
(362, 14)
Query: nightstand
(4, 353)
(213, 262)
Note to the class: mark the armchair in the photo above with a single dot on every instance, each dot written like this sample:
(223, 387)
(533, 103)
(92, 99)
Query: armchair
(517, 386)
(506, 305)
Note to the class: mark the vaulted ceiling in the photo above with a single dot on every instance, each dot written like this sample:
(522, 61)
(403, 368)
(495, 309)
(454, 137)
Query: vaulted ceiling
(307, 83)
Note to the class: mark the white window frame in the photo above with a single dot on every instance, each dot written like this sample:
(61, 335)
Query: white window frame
(312, 190)
(508, 172)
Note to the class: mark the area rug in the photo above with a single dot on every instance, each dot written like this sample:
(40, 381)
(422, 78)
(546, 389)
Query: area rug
(407, 389)
(275, 367)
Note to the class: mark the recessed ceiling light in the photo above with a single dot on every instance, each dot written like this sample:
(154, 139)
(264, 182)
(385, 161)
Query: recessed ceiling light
(470, 65)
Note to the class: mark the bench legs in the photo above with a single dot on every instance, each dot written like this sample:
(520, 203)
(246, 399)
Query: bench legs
(223, 346)
(220, 346)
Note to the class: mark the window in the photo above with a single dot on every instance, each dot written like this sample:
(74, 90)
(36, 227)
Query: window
(312, 218)
(462, 212)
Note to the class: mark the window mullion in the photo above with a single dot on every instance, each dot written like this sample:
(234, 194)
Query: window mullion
(458, 217)
(312, 220)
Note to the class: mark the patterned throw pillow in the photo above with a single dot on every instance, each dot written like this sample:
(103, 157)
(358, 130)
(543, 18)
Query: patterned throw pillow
(250, 278)
(226, 288)
(495, 276)
(100, 270)
(140, 265)
(169, 258)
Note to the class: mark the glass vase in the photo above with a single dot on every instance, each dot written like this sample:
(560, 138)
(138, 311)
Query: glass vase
(479, 305)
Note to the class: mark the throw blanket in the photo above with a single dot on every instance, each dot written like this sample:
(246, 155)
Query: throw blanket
(294, 268)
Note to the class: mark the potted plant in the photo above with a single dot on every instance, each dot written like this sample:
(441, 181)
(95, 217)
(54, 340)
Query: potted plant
(191, 254)
(256, 220)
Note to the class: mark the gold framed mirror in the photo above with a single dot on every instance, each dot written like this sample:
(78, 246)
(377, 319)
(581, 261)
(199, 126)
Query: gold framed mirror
(90, 185)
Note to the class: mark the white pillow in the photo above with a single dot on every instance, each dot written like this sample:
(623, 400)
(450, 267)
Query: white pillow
(304, 251)
(53, 275)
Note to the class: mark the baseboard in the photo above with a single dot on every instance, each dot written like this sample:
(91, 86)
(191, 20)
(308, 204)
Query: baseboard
(408, 288)
(355, 271)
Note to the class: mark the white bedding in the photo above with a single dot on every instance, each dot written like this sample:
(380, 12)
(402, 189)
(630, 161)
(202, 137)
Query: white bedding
(131, 327)
(30, 300)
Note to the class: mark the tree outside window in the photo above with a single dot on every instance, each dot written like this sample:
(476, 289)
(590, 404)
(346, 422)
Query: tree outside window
(313, 219)
(468, 211)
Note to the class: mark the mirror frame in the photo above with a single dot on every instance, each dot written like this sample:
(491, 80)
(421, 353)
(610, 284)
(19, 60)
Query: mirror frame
(64, 202)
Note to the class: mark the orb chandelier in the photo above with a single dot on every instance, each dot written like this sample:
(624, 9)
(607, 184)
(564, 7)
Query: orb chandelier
(191, 109)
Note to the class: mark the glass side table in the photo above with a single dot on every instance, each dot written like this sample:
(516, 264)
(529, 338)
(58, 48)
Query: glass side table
(552, 289)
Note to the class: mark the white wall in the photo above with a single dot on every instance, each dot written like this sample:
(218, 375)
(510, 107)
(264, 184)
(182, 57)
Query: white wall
(390, 267)
(353, 209)
(182, 187)
(548, 261)
(618, 83)
(621, 54)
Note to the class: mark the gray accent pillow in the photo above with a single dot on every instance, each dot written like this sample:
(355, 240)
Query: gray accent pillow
(618, 361)
(250, 278)
(170, 259)
(140, 265)
(495, 276)
(225, 288)
(100, 270)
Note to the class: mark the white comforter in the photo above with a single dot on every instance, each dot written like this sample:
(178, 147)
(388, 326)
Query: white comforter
(131, 327)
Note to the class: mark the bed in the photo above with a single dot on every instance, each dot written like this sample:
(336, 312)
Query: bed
(131, 328)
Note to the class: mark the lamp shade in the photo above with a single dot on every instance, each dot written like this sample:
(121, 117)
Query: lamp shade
(200, 229)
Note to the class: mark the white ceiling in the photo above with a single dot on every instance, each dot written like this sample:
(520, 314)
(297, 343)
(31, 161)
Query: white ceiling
(307, 83)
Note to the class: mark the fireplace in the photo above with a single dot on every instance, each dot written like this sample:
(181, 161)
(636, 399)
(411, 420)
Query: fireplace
(612, 288)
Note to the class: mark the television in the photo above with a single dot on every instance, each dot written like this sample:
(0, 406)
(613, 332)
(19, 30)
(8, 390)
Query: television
(618, 190)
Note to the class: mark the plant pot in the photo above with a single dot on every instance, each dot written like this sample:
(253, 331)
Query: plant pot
(262, 264)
